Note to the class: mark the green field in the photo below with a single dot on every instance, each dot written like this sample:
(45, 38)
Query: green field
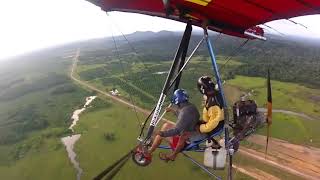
(130, 170)
(138, 78)
(288, 96)
(46, 158)
(294, 130)
(96, 153)
(37, 99)
(94, 148)
(139, 81)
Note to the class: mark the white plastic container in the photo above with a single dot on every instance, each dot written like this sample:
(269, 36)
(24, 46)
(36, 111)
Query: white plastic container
(215, 158)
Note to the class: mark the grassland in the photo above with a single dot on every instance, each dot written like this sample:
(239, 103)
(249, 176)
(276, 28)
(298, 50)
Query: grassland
(287, 96)
(294, 130)
(93, 131)
(96, 153)
(94, 148)
(41, 157)
(138, 79)
(37, 99)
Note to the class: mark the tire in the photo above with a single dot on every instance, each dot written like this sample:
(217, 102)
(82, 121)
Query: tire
(139, 159)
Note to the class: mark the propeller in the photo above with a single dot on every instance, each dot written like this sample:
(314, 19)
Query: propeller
(269, 110)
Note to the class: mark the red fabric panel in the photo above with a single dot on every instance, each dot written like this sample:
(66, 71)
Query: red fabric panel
(220, 14)
(243, 9)
(142, 5)
(312, 3)
(228, 16)
(285, 8)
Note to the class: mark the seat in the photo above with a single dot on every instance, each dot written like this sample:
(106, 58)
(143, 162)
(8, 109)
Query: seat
(194, 145)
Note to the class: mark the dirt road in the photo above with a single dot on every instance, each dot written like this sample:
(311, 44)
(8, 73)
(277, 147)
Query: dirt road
(255, 173)
(289, 113)
(296, 159)
(74, 64)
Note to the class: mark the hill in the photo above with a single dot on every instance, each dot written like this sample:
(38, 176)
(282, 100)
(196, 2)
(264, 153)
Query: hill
(290, 59)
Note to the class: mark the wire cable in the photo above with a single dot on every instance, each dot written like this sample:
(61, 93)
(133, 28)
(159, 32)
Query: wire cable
(233, 54)
(114, 166)
(133, 48)
(122, 68)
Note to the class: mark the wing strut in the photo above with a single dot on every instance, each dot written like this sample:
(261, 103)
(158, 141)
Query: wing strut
(225, 107)
(172, 83)
(201, 166)
(177, 63)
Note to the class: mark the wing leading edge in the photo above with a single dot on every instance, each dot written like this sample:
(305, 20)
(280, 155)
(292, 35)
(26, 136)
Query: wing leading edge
(233, 17)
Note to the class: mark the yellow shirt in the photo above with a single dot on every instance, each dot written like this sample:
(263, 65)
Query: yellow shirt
(212, 117)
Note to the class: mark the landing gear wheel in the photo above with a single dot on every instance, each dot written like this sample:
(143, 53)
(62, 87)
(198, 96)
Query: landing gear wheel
(140, 159)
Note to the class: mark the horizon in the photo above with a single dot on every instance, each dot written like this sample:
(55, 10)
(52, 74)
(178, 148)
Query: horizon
(35, 25)
(197, 30)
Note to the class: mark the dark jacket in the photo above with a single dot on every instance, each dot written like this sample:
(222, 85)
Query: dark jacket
(188, 117)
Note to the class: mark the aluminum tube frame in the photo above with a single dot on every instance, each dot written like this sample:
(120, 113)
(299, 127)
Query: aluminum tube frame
(181, 70)
(172, 83)
(188, 60)
(176, 62)
(182, 61)
(201, 166)
(225, 107)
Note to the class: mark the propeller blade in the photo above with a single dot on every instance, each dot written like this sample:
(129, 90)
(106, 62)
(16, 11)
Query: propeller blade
(269, 110)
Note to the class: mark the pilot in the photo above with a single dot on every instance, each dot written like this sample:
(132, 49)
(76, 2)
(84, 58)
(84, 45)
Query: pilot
(177, 134)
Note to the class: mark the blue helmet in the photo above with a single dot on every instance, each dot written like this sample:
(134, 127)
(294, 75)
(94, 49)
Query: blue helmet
(179, 96)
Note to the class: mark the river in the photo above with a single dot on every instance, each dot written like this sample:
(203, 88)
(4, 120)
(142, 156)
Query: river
(69, 141)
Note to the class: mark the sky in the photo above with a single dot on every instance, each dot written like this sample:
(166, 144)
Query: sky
(28, 25)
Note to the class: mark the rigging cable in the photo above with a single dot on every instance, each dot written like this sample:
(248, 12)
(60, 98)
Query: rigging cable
(122, 68)
(173, 81)
(144, 65)
(233, 54)
(201, 166)
(218, 36)
(116, 166)
(300, 24)
(273, 29)
(296, 23)
(242, 158)
(175, 78)
(133, 49)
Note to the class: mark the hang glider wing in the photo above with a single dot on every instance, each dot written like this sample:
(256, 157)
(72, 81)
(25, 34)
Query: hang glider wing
(234, 17)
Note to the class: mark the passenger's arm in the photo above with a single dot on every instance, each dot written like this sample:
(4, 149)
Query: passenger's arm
(215, 115)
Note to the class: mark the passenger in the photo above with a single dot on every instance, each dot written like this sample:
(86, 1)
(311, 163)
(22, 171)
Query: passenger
(177, 134)
(213, 115)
